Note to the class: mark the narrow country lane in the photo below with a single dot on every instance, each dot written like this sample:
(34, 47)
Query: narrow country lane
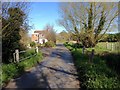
(55, 71)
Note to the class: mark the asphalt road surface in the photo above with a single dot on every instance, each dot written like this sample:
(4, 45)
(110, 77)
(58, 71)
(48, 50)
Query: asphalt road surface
(56, 70)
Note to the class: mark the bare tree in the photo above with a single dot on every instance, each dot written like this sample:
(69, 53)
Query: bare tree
(88, 21)
(50, 33)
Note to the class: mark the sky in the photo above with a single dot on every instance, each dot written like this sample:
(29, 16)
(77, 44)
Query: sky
(61, 0)
(42, 13)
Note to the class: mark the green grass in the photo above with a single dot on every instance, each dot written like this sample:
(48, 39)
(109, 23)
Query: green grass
(13, 70)
(49, 44)
(102, 72)
(29, 52)
(116, 46)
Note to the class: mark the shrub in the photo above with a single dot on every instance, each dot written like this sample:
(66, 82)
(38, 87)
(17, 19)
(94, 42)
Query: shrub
(66, 43)
(32, 44)
(10, 71)
(49, 44)
(77, 45)
(39, 45)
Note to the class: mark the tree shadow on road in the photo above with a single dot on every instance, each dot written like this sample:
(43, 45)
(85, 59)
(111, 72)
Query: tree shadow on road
(59, 45)
(63, 71)
(63, 55)
(35, 79)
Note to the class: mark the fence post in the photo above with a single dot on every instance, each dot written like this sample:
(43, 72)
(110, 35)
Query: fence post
(115, 46)
(106, 45)
(13, 57)
(91, 56)
(17, 55)
(112, 47)
(36, 49)
(83, 49)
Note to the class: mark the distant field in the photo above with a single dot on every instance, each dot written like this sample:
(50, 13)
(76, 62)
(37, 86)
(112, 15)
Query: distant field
(111, 46)
(105, 46)
(63, 41)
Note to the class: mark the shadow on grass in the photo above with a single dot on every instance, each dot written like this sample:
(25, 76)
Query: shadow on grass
(103, 63)
(22, 78)
(112, 61)
(11, 71)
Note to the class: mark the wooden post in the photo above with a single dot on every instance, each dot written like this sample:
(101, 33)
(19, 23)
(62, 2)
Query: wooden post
(83, 49)
(106, 45)
(91, 56)
(115, 46)
(36, 49)
(112, 47)
(14, 57)
(17, 55)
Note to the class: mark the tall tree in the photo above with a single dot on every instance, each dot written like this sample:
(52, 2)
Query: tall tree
(13, 20)
(24, 6)
(88, 21)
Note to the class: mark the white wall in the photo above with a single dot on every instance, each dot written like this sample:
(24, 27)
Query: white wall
(41, 41)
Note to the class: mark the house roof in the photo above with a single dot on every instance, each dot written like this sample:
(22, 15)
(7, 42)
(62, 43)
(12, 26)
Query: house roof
(40, 31)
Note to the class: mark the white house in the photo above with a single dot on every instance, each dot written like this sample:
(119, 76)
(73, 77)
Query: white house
(39, 36)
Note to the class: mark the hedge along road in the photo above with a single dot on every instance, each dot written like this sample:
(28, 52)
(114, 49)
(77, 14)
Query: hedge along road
(57, 70)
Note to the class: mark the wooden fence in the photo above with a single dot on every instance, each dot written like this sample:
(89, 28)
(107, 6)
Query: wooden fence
(110, 46)
(113, 46)
(17, 58)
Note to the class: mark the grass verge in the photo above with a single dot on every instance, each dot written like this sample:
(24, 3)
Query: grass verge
(99, 73)
(13, 70)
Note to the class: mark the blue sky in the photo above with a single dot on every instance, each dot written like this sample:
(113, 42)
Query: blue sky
(42, 13)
